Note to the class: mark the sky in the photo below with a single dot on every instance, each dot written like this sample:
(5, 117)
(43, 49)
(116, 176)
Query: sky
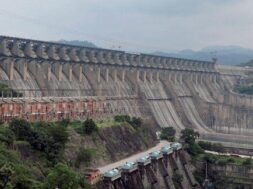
(132, 25)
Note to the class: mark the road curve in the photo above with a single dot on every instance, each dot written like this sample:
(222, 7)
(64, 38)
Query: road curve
(133, 157)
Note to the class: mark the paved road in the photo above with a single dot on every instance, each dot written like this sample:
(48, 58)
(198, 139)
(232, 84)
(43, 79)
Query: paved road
(227, 154)
(133, 158)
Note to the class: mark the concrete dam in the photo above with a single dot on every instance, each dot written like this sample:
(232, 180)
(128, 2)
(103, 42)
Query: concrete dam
(76, 81)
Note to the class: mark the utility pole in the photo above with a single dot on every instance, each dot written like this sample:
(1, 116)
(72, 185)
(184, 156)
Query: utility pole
(207, 184)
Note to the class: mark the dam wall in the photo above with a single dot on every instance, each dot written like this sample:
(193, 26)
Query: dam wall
(176, 92)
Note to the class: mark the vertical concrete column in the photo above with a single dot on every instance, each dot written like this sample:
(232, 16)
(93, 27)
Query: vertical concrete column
(33, 67)
(68, 70)
(10, 70)
(214, 78)
(58, 71)
(144, 76)
(98, 75)
(49, 71)
(80, 74)
(175, 76)
(191, 77)
(201, 78)
(22, 67)
(123, 75)
(218, 78)
(151, 77)
(158, 76)
(169, 75)
(25, 70)
(115, 75)
(181, 77)
(196, 78)
(137, 75)
(107, 75)
(78, 71)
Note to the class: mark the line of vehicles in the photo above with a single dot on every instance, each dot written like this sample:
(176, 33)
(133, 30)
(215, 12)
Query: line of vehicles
(94, 175)
(128, 166)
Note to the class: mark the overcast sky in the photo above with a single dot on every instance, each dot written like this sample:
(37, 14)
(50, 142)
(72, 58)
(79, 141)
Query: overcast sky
(136, 25)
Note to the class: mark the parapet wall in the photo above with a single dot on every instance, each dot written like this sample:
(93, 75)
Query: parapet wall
(24, 54)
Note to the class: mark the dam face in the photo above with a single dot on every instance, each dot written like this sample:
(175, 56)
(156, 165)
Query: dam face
(78, 81)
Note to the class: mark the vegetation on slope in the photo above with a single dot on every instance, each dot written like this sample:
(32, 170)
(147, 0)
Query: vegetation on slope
(197, 152)
(168, 133)
(36, 155)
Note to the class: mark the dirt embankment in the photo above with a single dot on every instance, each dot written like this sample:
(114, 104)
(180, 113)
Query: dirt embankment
(112, 143)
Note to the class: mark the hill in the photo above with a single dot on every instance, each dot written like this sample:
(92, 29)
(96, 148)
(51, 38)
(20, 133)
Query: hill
(249, 63)
(78, 43)
(227, 55)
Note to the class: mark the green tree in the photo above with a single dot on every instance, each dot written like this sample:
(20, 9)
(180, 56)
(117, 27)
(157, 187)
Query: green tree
(6, 171)
(210, 158)
(21, 128)
(59, 134)
(194, 149)
(7, 136)
(168, 133)
(135, 122)
(189, 136)
(122, 118)
(61, 177)
(1, 122)
(89, 126)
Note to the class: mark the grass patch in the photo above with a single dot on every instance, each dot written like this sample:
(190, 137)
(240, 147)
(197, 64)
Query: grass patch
(220, 159)
(109, 123)
(77, 125)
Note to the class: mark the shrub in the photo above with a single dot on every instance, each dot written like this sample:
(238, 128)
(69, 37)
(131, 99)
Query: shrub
(45, 137)
(231, 160)
(85, 156)
(1, 122)
(222, 162)
(122, 118)
(59, 134)
(61, 177)
(13, 172)
(7, 136)
(168, 133)
(135, 122)
(194, 149)
(210, 158)
(211, 146)
(64, 122)
(89, 126)
(247, 162)
(189, 136)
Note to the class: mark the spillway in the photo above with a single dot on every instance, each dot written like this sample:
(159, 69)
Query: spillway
(176, 92)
